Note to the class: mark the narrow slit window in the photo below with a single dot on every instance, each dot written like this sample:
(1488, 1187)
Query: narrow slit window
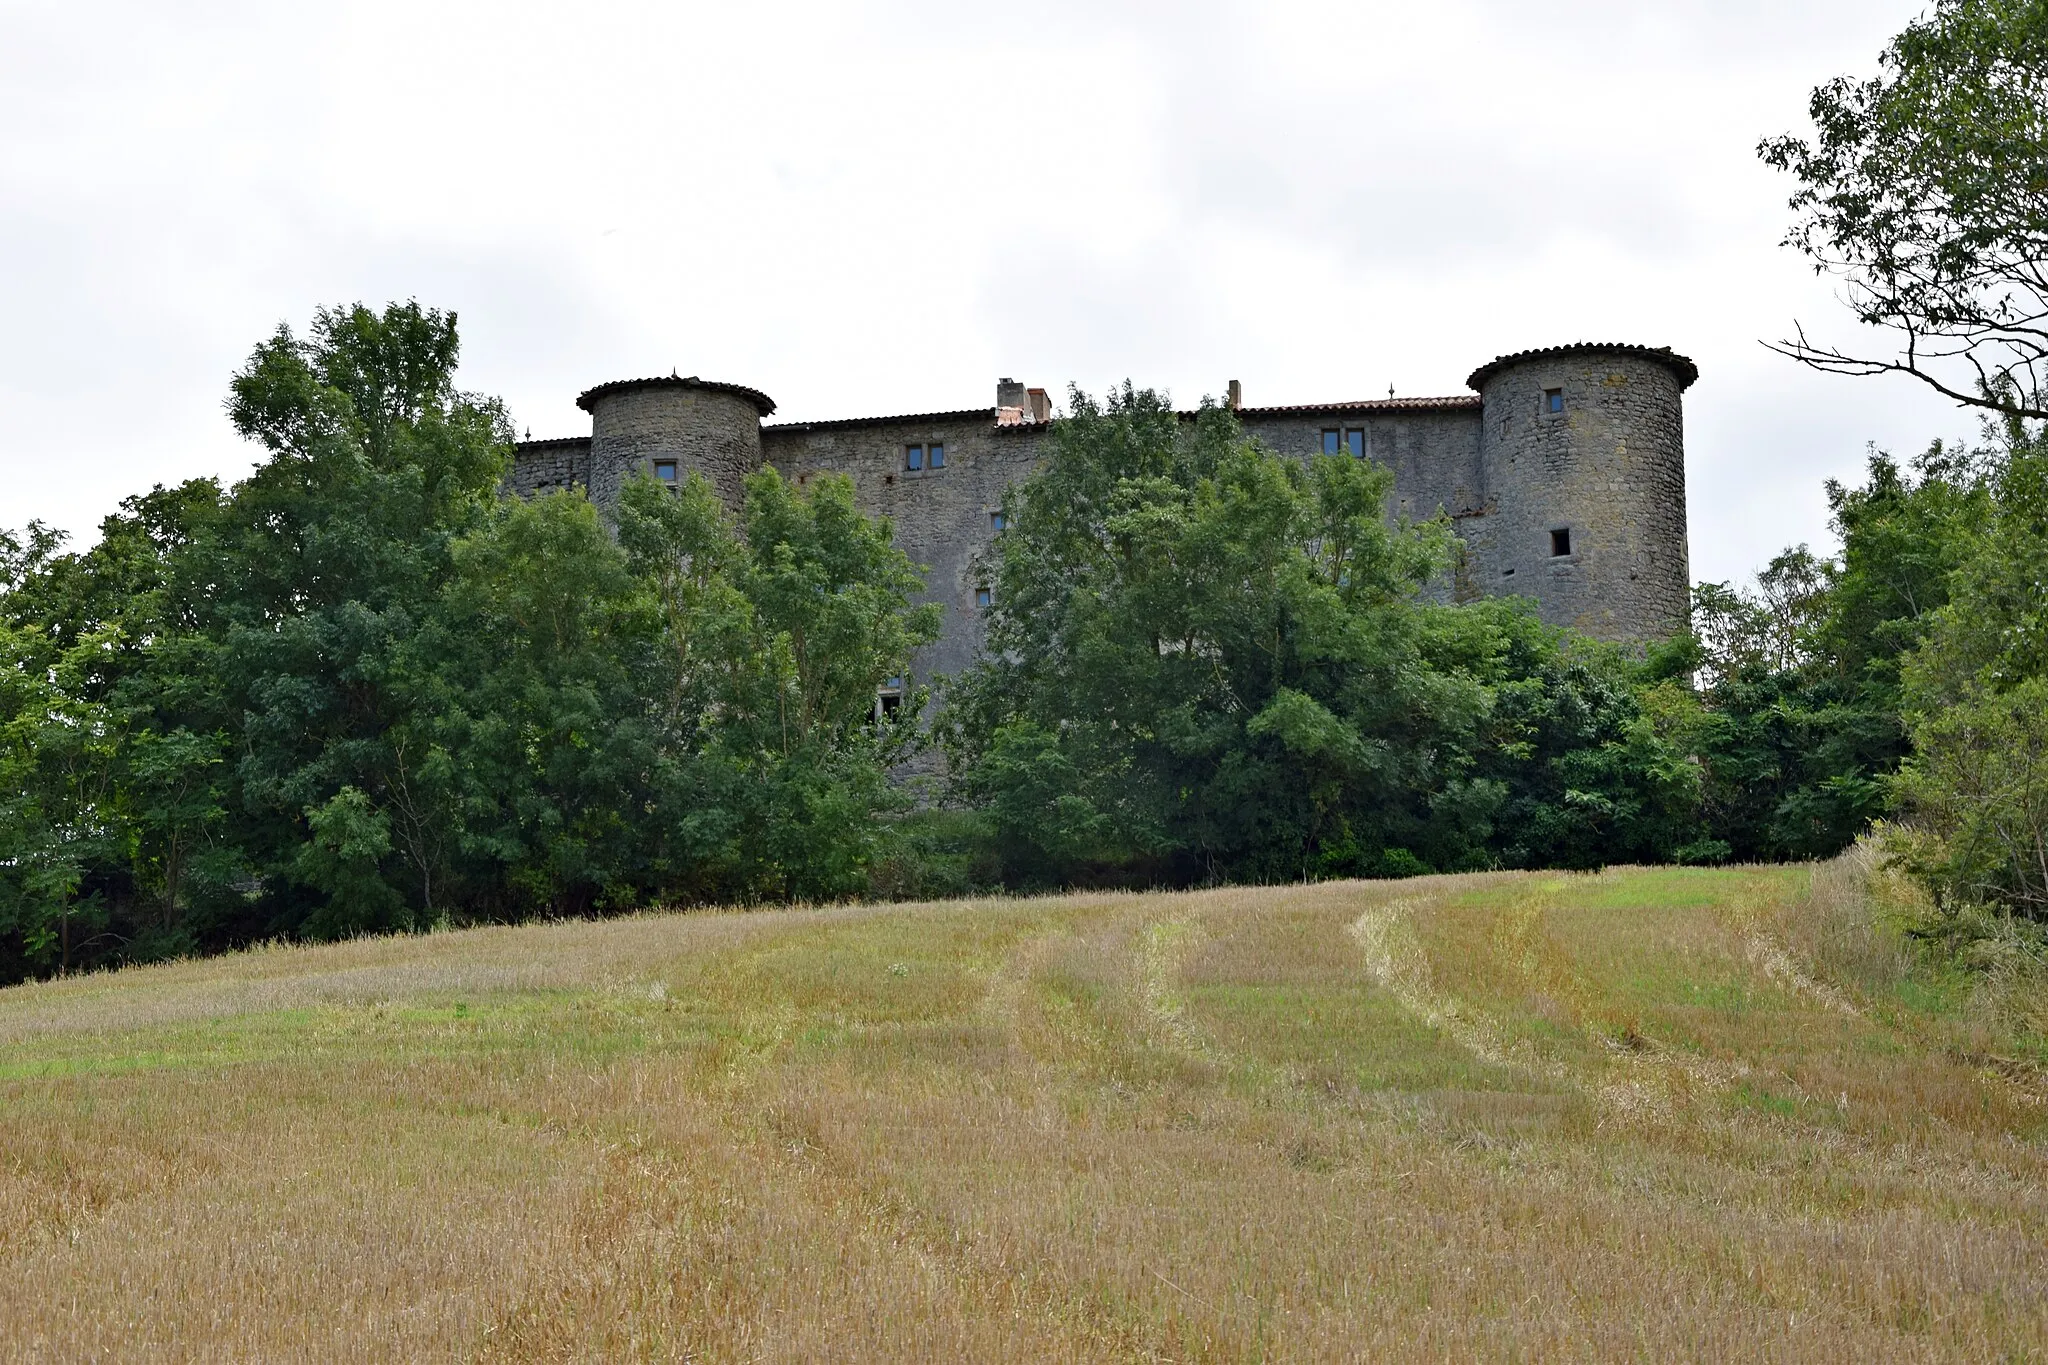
(913, 457)
(935, 456)
(1553, 400)
(665, 470)
(1332, 442)
(1354, 441)
(1560, 543)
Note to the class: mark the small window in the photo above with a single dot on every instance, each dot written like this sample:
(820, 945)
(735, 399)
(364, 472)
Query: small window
(665, 470)
(981, 597)
(937, 457)
(889, 697)
(1553, 400)
(1354, 441)
(1333, 441)
(913, 457)
(997, 521)
(1560, 543)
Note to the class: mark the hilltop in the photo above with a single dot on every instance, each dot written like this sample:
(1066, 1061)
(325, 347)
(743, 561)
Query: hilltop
(1657, 1114)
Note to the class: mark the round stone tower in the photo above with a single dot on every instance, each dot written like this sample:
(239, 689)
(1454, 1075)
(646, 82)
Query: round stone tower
(1583, 452)
(674, 427)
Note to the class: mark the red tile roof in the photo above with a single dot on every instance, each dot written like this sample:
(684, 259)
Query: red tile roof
(760, 400)
(1462, 400)
(986, 416)
(1681, 366)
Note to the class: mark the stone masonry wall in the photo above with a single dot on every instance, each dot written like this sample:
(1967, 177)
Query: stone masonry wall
(711, 432)
(1434, 452)
(543, 466)
(942, 517)
(1609, 470)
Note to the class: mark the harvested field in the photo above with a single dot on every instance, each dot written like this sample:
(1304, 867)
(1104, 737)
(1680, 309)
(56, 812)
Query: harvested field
(1651, 1114)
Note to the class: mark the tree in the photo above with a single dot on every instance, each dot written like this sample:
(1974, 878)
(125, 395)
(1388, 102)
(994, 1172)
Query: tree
(777, 634)
(364, 690)
(1975, 698)
(1925, 189)
(1206, 661)
(1800, 728)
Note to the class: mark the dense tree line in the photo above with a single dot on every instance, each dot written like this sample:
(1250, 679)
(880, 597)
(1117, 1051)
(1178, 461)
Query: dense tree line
(1210, 662)
(360, 690)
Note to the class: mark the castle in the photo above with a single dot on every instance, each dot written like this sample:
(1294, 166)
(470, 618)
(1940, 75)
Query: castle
(1563, 473)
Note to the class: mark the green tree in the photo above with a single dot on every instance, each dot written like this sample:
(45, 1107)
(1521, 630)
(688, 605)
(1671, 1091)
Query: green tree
(1206, 662)
(1976, 701)
(365, 690)
(1925, 189)
(777, 633)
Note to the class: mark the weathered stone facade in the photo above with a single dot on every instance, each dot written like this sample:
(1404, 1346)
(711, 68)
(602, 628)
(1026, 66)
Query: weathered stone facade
(1564, 475)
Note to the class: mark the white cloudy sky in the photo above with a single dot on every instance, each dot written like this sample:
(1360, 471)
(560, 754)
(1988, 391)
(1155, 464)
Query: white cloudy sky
(882, 207)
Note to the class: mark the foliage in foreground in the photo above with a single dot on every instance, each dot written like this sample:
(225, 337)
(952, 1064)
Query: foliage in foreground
(1208, 662)
(1923, 188)
(360, 690)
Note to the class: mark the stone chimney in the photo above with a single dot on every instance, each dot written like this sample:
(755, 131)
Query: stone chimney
(1236, 399)
(1009, 394)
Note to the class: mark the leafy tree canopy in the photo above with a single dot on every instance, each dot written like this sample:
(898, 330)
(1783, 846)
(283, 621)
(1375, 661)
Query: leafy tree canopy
(1207, 661)
(1925, 188)
(365, 690)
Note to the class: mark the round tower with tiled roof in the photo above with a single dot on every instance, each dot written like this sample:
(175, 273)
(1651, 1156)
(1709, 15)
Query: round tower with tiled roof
(1582, 450)
(672, 428)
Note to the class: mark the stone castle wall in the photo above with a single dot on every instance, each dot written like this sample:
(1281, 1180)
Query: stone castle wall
(544, 466)
(943, 517)
(714, 430)
(1607, 469)
(1433, 450)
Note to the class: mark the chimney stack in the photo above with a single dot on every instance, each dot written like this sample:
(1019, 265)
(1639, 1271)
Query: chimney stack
(1009, 394)
(1236, 399)
(1040, 405)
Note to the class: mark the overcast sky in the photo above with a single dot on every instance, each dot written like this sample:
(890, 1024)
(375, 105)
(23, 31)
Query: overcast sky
(883, 207)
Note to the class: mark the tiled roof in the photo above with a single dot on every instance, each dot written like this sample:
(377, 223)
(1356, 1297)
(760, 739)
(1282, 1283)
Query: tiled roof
(672, 381)
(986, 416)
(551, 441)
(1679, 365)
(1462, 400)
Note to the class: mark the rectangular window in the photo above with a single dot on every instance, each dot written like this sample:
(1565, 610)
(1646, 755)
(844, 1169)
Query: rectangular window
(665, 470)
(889, 697)
(1354, 441)
(1560, 543)
(938, 456)
(997, 521)
(981, 597)
(913, 457)
(1553, 400)
(1332, 442)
